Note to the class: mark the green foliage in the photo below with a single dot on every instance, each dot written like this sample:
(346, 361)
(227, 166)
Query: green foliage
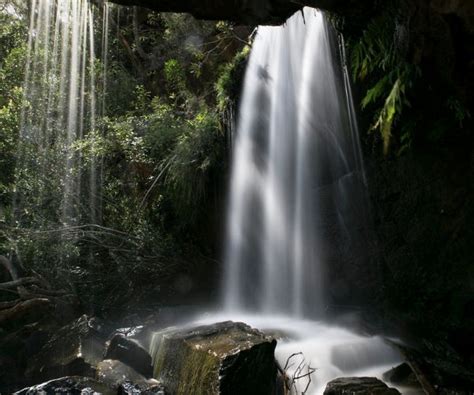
(121, 88)
(179, 154)
(409, 105)
(9, 121)
(12, 54)
(13, 31)
(155, 156)
(376, 49)
(227, 86)
(191, 164)
(458, 109)
(377, 57)
(175, 79)
(174, 73)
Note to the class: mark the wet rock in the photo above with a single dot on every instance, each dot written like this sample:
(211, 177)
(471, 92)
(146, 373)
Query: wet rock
(132, 331)
(402, 375)
(101, 327)
(223, 358)
(114, 373)
(73, 350)
(129, 388)
(131, 353)
(73, 385)
(358, 386)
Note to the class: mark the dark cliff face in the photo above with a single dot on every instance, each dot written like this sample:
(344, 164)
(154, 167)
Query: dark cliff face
(242, 11)
(256, 12)
(424, 221)
(253, 12)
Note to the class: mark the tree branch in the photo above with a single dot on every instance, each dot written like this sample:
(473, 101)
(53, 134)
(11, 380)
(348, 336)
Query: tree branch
(19, 282)
(22, 309)
(9, 267)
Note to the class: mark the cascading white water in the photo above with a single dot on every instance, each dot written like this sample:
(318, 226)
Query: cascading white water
(297, 165)
(297, 181)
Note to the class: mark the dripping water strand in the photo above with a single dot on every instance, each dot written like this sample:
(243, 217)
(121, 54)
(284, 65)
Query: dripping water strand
(58, 109)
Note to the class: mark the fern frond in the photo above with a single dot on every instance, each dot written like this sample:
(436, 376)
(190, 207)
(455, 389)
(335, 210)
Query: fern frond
(376, 92)
(389, 111)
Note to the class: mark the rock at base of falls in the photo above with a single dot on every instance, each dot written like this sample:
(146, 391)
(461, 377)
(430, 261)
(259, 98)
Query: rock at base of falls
(130, 388)
(131, 353)
(402, 375)
(226, 358)
(359, 386)
(114, 373)
(74, 350)
(73, 385)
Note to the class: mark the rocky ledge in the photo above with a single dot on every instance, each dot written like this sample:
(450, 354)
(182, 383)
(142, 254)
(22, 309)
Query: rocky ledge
(256, 12)
(224, 358)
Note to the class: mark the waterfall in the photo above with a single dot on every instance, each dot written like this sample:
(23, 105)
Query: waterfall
(298, 202)
(297, 181)
(60, 107)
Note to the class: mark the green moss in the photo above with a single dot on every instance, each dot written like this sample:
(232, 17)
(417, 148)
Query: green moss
(200, 372)
(197, 365)
(191, 363)
(228, 85)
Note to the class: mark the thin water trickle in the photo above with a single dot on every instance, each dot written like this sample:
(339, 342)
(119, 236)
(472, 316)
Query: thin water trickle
(60, 101)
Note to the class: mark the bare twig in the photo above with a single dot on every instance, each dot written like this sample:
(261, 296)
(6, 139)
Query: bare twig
(298, 374)
(290, 358)
(158, 177)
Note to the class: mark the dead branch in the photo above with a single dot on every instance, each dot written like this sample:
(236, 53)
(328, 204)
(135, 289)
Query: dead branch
(9, 267)
(287, 364)
(9, 304)
(18, 283)
(23, 308)
(421, 377)
(302, 371)
(48, 292)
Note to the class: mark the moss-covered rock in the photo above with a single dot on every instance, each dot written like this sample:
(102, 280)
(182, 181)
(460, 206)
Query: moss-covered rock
(224, 358)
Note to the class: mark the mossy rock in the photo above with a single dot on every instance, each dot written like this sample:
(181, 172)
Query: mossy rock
(224, 358)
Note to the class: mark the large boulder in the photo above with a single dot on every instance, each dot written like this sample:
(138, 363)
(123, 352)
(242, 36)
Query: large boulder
(73, 385)
(358, 386)
(220, 359)
(74, 350)
(131, 353)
